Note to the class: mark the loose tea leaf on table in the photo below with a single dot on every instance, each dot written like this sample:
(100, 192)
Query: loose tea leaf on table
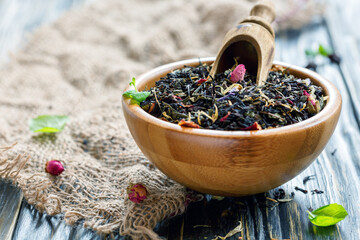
(322, 51)
(191, 98)
(327, 215)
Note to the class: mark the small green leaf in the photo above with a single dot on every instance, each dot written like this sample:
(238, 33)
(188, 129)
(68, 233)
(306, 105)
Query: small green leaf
(140, 96)
(129, 93)
(133, 101)
(136, 96)
(324, 51)
(132, 83)
(310, 53)
(48, 123)
(327, 215)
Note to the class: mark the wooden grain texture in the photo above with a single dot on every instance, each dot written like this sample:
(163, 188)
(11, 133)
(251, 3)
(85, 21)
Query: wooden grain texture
(19, 17)
(34, 225)
(337, 169)
(10, 202)
(251, 41)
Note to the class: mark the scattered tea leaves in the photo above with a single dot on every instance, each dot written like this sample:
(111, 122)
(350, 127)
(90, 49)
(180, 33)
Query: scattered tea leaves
(191, 98)
(334, 58)
(311, 66)
(308, 178)
(287, 198)
(301, 190)
(48, 123)
(316, 191)
(205, 226)
(321, 51)
(279, 194)
(218, 198)
(271, 199)
(310, 52)
(136, 96)
(333, 152)
(236, 230)
(327, 215)
(324, 51)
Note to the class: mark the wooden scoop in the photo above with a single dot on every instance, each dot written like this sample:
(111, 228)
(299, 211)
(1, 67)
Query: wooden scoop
(252, 43)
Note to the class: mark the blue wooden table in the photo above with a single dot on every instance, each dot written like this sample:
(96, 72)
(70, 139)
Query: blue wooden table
(337, 169)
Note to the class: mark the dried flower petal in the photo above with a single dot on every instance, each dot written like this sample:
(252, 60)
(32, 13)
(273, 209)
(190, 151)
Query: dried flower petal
(309, 98)
(152, 107)
(190, 124)
(313, 105)
(225, 117)
(176, 98)
(54, 167)
(238, 73)
(198, 82)
(255, 126)
(235, 87)
(313, 108)
(137, 192)
(226, 96)
(187, 105)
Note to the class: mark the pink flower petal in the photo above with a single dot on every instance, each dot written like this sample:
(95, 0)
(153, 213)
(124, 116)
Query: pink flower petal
(310, 98)
(190, 124)
(255, 126)
(238, 73)
(201, 81)
(225, 117)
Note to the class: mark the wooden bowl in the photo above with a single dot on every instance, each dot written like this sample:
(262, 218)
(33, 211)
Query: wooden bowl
(232, 163)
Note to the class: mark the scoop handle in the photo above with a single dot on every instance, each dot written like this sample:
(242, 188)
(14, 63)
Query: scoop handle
(264, 9)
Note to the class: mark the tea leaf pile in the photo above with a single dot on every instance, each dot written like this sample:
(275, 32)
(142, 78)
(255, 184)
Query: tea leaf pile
(191, 98)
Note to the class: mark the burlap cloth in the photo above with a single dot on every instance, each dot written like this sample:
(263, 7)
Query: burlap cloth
(78, 66)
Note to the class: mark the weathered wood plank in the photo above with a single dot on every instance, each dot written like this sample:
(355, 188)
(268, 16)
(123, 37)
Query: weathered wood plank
(42, 226)
(342, 22)
(337, 173)
(10, 203)
(18, 17)
(335, 168)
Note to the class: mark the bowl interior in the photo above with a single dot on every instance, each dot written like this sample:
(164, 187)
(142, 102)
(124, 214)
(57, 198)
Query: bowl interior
(147, 80)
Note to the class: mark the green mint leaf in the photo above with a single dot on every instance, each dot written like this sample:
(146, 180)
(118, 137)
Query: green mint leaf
(311, 53)
(140, 96)
(327, 215)
(48, 123)
(136, 96)
(133, 101)
(129, 93)
(132, 83)
(324, 51)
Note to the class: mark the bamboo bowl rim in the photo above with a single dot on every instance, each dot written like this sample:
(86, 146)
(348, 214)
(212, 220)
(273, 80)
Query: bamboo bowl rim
(333, 102)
